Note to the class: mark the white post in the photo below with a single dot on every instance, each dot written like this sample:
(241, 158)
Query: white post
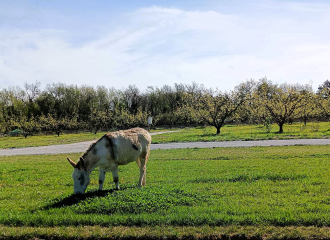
(149, 123)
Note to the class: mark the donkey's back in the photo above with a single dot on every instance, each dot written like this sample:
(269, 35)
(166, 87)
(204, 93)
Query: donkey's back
(129, 145)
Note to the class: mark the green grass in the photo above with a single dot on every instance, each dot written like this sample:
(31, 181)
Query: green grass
(204, 134)
(166, 232)
(257, 188)
(246, 132)
(52, 139)
(44, 140)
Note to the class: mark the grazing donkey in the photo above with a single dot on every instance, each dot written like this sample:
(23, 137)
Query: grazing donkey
(111, 150)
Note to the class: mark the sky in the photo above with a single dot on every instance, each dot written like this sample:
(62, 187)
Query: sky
(111, 43)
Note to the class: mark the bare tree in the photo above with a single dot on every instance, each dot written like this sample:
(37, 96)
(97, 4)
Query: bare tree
(32, 90)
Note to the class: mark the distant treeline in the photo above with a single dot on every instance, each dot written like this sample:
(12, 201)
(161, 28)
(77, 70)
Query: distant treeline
(60, 107)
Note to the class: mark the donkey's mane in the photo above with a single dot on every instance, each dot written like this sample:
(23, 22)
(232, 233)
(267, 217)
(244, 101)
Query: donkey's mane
(90, 148)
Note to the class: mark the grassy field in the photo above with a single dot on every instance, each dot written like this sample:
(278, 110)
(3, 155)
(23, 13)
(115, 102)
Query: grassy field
(44, 140)
(51, 139)
(228, 133)
(274, 192)
(246, 132)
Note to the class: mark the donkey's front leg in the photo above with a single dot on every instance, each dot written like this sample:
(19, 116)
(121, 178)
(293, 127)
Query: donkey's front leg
(101, 177)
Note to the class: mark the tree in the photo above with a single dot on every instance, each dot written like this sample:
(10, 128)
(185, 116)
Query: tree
(125, 120)
(31, 93)
(98, 119)
(32, 90)
(57, 125)
(309, 107)
(15, 104)
(28, 126)
(185, 115)
(154, 101)
(170, 99)
(322, 100)
(216, 107)
(324, 86)
(281, 102)
(253, 110)
(131, 96)
(61, 99)
(4, 118)
(74, 125)
(88, 102)
(103, 98)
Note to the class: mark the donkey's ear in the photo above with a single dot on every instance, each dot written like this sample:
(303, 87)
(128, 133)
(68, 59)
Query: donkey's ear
(72, 162)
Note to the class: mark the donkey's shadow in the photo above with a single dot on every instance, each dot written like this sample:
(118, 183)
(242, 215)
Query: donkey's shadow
(76, 198)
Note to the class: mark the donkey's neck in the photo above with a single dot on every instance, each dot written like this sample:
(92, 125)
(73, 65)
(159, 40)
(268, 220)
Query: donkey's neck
(96, 155)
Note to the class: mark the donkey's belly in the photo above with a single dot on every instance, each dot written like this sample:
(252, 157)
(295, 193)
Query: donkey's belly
(127, 157)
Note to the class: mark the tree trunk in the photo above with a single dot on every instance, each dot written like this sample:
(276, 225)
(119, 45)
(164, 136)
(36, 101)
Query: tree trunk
(218, 130)
(281, 127)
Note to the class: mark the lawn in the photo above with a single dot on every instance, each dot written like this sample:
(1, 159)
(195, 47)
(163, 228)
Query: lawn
(273, 192)
(246, 132)
(52, 139)
(44, 140)
(204, 134)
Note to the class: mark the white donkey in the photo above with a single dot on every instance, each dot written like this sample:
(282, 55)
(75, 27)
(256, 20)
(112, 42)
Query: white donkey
(111, 150)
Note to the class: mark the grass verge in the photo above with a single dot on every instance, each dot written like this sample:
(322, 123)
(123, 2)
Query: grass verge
(45, 140)
(255, 189)
(246, 132)
(198, 134)
(166, 232)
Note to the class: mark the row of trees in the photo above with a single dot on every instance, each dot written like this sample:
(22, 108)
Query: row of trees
(61, 107)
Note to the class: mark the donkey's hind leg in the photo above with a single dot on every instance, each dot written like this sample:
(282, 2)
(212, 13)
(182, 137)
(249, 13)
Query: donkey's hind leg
(143, 168)
(142, 171)
(114, 170)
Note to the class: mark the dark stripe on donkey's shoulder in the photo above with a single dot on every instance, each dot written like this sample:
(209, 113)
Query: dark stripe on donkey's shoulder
(109, 145)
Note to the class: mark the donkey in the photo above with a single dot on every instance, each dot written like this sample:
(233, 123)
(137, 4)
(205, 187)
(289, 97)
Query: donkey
(111, 150)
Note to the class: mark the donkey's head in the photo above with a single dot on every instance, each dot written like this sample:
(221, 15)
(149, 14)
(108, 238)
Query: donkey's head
(80, 176)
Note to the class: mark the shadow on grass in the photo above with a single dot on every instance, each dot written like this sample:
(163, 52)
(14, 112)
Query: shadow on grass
(76, 198)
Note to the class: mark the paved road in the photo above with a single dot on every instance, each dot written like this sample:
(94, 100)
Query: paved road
(81, 147)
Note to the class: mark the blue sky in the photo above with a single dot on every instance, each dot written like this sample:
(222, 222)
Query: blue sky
(152, 43)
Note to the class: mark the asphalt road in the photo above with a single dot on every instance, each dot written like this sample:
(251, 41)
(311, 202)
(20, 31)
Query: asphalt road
(82, 146)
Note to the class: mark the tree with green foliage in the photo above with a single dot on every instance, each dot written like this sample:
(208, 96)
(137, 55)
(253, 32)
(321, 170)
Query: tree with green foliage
(57, 125)
(98, 119)
(216, 107)
(322, 100)
(324, 86)
(32, 90)
(281, 102)
(4, 116)
(309, 107)
(27, 126)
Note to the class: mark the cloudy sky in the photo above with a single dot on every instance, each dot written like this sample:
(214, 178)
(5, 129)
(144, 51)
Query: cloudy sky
(218, 43)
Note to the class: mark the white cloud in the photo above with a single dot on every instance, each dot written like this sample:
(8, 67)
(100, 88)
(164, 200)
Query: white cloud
(156, 46)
